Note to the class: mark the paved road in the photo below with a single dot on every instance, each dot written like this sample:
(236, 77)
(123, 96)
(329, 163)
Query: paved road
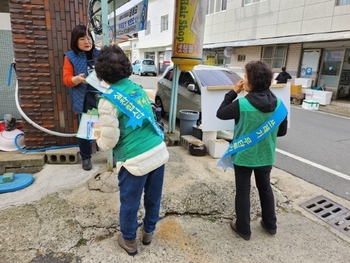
(316, 149)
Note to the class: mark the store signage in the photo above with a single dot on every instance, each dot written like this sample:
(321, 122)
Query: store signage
(334, 55)
(132, 20)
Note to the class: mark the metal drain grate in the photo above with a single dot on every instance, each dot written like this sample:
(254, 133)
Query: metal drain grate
(329, 211)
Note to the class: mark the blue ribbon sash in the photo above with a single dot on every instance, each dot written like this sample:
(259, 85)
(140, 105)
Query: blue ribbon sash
(132, 109)
(246, 141)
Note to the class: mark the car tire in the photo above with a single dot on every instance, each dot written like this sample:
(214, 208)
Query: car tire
(159, 103)
(154, 74)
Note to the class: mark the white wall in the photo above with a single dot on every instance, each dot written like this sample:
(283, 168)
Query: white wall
(275, 18)
(157, 9)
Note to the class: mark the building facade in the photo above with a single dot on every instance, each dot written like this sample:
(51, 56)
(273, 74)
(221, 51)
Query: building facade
(40, 35)
(310, 38)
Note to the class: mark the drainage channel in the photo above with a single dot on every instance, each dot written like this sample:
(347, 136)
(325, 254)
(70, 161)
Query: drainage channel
(329, 211)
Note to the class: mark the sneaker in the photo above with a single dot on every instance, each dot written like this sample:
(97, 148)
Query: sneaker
(130, 246)
(87, 164)
(272, 232)
(234, 228)
(146, 238)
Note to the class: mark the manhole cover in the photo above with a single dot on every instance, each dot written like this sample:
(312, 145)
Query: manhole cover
(329, 211)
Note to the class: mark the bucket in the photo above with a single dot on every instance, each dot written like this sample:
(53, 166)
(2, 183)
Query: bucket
(188, 118)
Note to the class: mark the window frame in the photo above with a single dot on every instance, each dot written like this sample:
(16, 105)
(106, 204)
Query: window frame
(216, 6)
(274, 61)
(342, 2)
(251, 2)
(164, 23)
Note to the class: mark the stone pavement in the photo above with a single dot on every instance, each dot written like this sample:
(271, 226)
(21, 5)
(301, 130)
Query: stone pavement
(69, 215)
(337, 107)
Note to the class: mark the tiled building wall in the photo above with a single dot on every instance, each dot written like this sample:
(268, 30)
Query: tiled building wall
(293, 59)
(41, 35)
(7, 86)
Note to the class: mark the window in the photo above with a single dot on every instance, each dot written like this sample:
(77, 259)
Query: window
(343, 2)
(275, 56)
(169, 75)
(164, 23)
(215, 6)
(249, 2)
(148, 28)
(241, 58)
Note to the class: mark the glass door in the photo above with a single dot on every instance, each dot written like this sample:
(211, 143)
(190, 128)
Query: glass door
(309, 64)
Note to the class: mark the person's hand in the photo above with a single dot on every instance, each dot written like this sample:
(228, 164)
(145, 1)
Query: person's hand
(238, 87)
(79, 79)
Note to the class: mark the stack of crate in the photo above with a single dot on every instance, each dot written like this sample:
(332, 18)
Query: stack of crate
(296, 96)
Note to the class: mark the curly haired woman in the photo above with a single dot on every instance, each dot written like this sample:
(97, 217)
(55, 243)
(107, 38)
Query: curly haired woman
(128, 127)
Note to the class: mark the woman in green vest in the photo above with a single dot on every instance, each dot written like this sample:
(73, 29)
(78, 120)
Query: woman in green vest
(128, 126)
(249, 113)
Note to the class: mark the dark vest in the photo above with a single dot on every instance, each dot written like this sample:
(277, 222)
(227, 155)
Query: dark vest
(79, 63)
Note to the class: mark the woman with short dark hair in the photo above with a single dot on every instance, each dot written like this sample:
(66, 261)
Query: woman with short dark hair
(77, 64)
(127, 125)
(257, 108)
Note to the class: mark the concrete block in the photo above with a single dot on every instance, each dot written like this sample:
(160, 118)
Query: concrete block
(217, 148)
(173, 141)
(185, 141)
(63, 156)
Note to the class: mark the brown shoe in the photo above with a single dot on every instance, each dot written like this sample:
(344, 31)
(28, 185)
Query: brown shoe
(130, 246)
(234, 228)
(146, 238)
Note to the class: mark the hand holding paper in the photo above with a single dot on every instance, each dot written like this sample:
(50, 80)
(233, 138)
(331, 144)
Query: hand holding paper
(96, 83)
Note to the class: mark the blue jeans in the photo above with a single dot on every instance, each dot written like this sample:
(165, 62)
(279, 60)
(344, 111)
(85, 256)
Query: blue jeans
(130, 189)
(242, 202)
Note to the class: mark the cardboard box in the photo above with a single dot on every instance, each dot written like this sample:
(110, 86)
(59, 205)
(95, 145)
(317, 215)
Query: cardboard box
(295, 89)
(310, 105)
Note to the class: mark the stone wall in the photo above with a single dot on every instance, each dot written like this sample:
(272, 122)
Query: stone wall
(41, 35)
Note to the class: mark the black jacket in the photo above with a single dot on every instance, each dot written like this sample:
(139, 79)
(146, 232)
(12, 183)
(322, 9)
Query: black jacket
(264, 101)
(283, 77)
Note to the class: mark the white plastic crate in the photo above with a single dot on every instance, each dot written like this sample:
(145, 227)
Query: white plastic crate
(310, 105)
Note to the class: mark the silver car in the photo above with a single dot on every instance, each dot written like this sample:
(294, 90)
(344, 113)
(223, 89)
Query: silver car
(190, 86)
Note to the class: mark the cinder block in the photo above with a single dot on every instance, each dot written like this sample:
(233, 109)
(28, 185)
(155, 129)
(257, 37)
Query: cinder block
(63, 156)
(217, 148)
(185, 140)
(173, 141)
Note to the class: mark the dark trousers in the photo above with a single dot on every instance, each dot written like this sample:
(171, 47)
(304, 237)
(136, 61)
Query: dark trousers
(242, 201)
(85, 145)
